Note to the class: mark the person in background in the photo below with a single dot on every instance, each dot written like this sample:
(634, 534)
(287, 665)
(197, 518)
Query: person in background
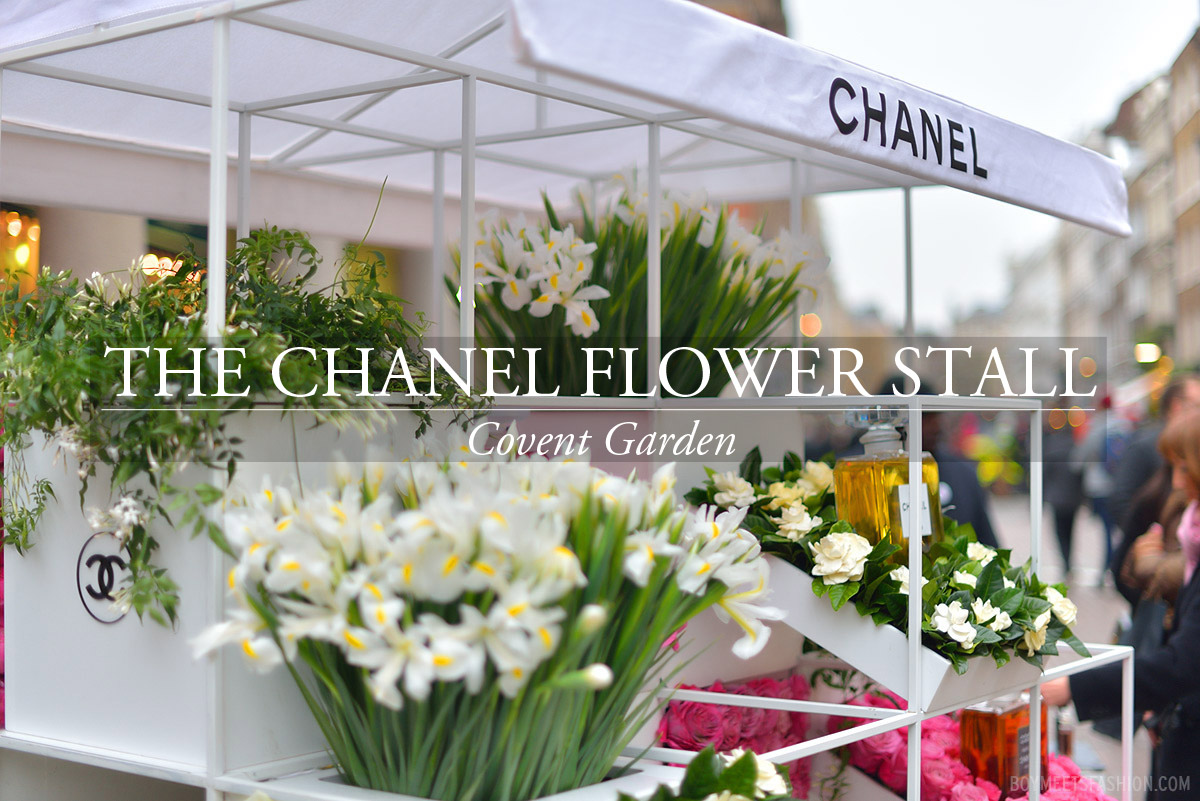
(1062, 483)
(1166, 681)
(1097, 457)
(1141, 459)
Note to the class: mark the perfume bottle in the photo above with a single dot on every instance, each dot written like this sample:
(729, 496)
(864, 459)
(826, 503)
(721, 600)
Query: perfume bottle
(871, 490)
(995, 742)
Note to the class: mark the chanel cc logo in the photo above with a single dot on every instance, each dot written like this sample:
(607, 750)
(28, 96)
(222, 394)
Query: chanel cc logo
(98, 573)
(105, 575)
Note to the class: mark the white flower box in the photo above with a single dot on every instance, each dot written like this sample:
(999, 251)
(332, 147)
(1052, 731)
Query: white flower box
(324, 785)
(132, 690)
(881, 652)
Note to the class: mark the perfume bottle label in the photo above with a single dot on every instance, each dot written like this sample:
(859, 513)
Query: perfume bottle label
(926, 519)
(1023, 754)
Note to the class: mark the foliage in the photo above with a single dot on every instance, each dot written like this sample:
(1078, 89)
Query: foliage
(710, 776)
(531, 289)
(975, 603)
(59, 382)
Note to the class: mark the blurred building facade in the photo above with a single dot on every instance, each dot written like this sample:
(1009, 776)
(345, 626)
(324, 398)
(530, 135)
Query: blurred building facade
(1146, 288)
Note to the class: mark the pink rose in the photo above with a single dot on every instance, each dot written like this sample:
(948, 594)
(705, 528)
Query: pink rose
(931, 750)
(691, 726)
(869, 753)
(800, 772)
(949, 742)
(1063, 764)
(894, 771)
(940, 723)
(937, 779)
(799, 687)
(992, 791)
(967, 792)
(753, 717)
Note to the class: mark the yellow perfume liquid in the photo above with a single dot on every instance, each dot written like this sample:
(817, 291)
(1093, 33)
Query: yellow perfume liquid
(869, 492)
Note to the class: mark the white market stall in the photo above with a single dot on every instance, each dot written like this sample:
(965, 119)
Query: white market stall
(497, 101)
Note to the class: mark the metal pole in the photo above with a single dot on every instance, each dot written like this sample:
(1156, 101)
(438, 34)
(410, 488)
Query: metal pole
(653, 266)
(1035, 742)
(908, 267)
(1127, 728)
(438, 257)
(218, 181)
(243, 175)
(539, 108)
(795, 226)
(912, 528)
(466, 267)
(1036, 472)
(218, 216)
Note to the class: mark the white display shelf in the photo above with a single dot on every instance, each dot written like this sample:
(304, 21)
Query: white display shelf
(324, 785)
(132, 692)
(104, 758)
(881, 651)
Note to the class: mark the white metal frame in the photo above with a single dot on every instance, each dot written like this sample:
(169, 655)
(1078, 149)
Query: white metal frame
(441, 68)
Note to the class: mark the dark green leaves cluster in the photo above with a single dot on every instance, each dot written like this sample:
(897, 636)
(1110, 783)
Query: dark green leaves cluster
(878, 594)
(708, 776)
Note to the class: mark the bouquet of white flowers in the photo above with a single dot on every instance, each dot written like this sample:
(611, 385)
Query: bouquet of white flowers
(480, 629)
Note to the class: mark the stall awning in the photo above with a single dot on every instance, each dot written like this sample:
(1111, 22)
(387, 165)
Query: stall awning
(359, 89)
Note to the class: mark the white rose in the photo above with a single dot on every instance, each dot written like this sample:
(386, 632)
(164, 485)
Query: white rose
(984, 611)
(1035, 638)
(819, 474)
(900, 574)
(795, 521)
(840, 557)
(732, 490)
(951, 619)
(1002, 622)
(964, 578)
(980, 553)
(1064, 609)
(768, 782)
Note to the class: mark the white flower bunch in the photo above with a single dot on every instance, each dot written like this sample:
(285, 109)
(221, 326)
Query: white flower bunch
(453, 570)
(538, 270)
(120, 519)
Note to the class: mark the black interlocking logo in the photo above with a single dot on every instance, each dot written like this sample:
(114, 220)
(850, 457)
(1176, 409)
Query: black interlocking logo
(98, 574)
(106, 577)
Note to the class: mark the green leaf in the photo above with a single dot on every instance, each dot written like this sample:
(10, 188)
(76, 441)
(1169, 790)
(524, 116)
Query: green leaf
(740, 777)
(750, 468)
(840, 593)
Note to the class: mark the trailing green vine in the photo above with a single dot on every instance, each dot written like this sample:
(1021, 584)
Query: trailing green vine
(138, 431)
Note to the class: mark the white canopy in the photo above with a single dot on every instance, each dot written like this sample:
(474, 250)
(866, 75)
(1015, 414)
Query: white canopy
(362, 89)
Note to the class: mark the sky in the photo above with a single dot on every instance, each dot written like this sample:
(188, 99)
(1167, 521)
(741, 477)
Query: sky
(1061, 67)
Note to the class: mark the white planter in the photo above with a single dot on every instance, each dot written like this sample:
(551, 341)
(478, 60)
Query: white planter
(132, 691)
(881, 652)
(326, 786)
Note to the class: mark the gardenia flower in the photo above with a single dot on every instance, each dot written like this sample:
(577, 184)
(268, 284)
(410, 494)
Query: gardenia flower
(784, 494)
(1008, 583)
(840, 557)
(961, 577)
(817, 474)
(1035, 638)
(984, 611)
(1001, 623)
(951, 620)
(732, 490)
(1063, 608)
(980, 553)
(901, 575)
(795, 522)
(768, 782)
